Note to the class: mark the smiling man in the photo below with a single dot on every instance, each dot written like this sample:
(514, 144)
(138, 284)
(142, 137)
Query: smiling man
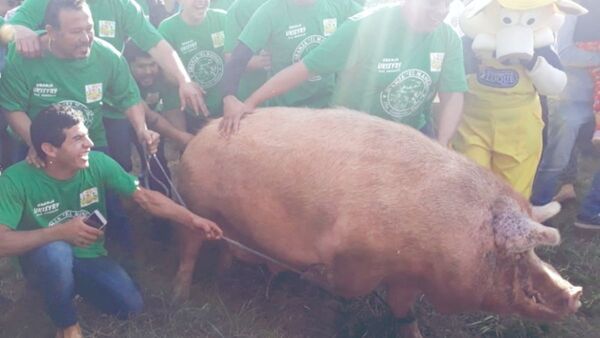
(391, 62)
(42, 220)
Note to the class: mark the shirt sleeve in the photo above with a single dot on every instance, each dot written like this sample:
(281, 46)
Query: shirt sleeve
(13, 86)
(452, 78)
(570, 55)
(123, 92)
(233, 29)
(30, 14)
(11, 208)
(115, 177)
(258, 31)
(137, 27)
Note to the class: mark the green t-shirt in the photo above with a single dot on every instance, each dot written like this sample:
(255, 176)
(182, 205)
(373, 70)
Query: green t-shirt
(238, 16)
(201, 51)
(387, 70)
(222, 4)
(114, 21)
(32, 200)
(162, 96)
(289, 31)
(32, 85)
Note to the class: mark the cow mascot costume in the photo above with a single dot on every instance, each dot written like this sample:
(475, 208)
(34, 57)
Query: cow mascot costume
(509, 64)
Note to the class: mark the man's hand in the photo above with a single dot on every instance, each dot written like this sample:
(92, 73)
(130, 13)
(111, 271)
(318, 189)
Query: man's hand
(210, 229)
(149, 139)
(76, 232)
(260, 61)
(233, 111)
(27, 42)
(192, 95)
(33, 158)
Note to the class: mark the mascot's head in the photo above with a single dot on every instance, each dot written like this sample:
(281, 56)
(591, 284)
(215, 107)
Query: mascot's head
(514, 28)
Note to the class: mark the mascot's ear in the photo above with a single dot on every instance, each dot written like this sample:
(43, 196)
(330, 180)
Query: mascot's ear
(570, 7)
(474, 7)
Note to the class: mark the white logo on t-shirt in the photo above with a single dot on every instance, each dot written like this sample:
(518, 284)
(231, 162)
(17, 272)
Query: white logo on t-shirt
(304, 47)
(329, 26)
(405, 95)
(46, 208)
(206, 68)
(436, 61)
(218, 39)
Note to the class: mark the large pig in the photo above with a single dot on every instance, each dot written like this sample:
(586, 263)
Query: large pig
(357, 202)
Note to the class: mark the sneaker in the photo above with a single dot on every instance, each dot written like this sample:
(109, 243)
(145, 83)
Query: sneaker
(566, 192)
(587, 225)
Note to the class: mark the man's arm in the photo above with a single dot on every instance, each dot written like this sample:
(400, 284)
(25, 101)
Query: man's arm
(451, 107)
(20, 122)
(190, 93)
(159, 205)
(137, 117)
(165, 128)
(14, 243)
(284, 81)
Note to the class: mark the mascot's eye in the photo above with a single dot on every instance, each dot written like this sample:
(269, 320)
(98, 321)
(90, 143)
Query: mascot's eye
(530, 22)
(507, 20)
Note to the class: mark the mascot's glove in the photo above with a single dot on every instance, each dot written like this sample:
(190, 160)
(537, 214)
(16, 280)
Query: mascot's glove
(547, 79)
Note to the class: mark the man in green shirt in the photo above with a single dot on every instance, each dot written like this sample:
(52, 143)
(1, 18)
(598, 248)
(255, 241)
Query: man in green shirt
(114, 21)
(76, 70)
(45, 220)
(391, 62)
(197, 34)
(289, 30)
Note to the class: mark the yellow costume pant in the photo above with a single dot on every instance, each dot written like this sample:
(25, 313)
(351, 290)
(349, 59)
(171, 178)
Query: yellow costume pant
(508, 142)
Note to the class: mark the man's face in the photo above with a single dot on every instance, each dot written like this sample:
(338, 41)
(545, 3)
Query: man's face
(74, 153)
(427, 15)
(73, 39)
(144, 71)
(195, 9)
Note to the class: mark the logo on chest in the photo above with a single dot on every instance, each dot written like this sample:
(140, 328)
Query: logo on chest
(88, 197)
(498, 78)
(218, 39)
(107, 29)
(44, 90)
(329, 26)
(93, 92)
(389, 65)
(295, 31)
(46, 208)
(188, 46)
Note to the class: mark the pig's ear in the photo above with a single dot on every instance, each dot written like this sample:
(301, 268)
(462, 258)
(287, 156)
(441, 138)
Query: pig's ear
(570, 7)
(516, 233)
(474, 7)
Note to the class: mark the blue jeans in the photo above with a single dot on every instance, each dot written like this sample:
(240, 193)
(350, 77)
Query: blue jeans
(566, 120)
(52, 270)
(118, 137)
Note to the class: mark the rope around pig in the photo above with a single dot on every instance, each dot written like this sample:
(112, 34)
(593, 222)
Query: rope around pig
(179, 199)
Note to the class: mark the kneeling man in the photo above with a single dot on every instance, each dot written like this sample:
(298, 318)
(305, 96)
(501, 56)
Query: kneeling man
(59, 253)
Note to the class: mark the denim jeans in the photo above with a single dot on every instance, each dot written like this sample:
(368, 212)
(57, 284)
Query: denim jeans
(59, 276)
(566, 119)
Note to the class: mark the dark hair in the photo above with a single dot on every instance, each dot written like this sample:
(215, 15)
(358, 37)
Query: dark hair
(50, 124)
(55, 6)
(132, 52)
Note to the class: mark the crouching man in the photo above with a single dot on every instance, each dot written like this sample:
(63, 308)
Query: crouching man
(60, 255)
